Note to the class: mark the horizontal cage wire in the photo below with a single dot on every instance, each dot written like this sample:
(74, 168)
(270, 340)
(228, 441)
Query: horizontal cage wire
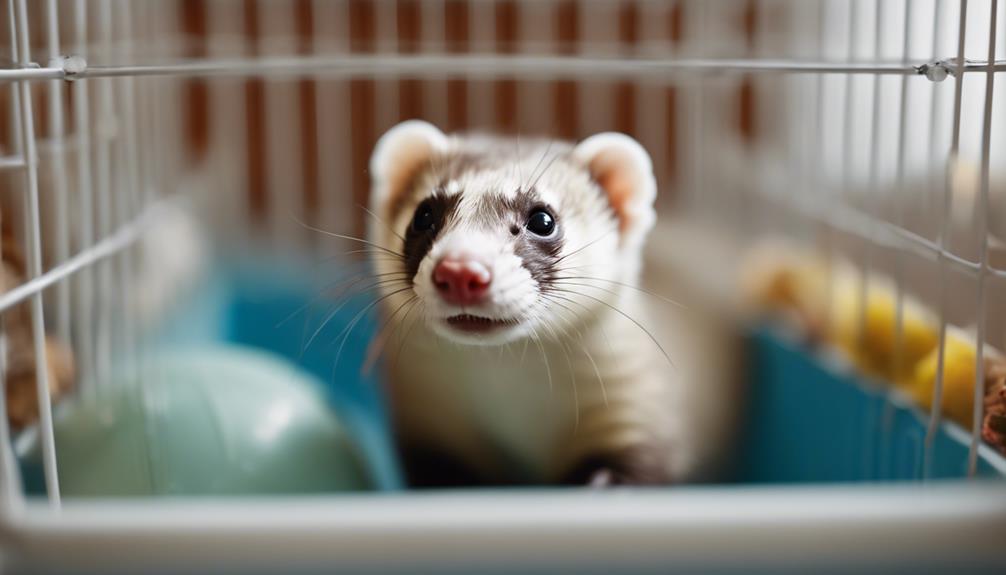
(847, 125)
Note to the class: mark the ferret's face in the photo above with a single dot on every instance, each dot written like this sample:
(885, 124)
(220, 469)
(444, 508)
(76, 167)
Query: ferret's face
(499, 244)
(488, 254)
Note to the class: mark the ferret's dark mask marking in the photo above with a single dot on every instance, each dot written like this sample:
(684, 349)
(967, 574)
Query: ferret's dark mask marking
(419, 241)
(537, 253)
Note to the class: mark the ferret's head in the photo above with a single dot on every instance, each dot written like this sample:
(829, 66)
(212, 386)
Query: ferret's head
(500, 239)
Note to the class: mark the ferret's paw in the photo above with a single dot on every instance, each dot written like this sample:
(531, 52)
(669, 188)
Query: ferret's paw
(602, 478)
(638, 466)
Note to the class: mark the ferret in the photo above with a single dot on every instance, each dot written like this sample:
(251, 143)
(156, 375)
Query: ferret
(527, 352)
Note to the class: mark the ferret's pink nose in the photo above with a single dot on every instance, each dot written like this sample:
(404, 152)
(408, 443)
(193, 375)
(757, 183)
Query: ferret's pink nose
(461, 281)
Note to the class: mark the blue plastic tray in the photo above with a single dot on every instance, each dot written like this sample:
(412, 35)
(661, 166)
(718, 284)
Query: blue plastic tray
(806, 421)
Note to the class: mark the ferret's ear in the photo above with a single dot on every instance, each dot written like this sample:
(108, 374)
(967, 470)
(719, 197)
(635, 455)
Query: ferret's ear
(398, 156)
(624, 171)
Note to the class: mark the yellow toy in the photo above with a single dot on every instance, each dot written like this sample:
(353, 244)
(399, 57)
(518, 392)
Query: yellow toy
(958, 377)
(826, 304)
(870, 340)
(781, 279)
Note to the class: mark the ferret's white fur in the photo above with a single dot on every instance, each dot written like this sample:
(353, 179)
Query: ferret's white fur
(576, 375)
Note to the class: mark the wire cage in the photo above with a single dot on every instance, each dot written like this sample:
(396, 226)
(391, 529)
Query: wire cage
(150, 149)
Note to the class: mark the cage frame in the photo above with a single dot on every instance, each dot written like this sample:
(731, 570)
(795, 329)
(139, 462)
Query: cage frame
(97, 529)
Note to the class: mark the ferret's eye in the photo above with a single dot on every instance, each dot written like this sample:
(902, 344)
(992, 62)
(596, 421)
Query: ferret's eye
(541, 223)
(423, 220)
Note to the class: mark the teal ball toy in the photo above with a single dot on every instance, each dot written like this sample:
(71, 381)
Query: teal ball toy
(210, 421)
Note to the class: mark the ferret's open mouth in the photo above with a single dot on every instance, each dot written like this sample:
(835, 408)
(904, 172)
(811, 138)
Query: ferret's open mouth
(478, 324)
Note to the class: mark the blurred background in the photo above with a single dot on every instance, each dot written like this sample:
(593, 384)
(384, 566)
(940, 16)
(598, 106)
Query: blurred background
(263, 144)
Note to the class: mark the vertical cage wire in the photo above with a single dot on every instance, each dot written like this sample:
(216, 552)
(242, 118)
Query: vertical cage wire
(13, 498)
(899, 191)
(824, 197)
(229, 102)
(849, 115)
(430, 34)
(935, 153)
(34, 243)
(129, 182)
(696, 136)
(18, 160)
(106, 129)
(983, 238)
(11, 494)
(870, 204)
(871, 207)
(283, 150)
(899, 202)
(943, 241)
(936, 158)
(58, 158)
(84, 322)
(330, 33)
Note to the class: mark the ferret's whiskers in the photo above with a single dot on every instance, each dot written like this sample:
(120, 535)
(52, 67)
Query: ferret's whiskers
(503, 290)
(356, 319)
(405, 337)
(604, 333)
(382, 222)
(571, 324)
(380, 339)
(572, 374)
(382, 277)
(564, 279)
(523, 352)
(583, 247)
(351, 263)
(605, 265)
(346, 298)
(576, 391)
(544, 357)
(344, 262)
(437, 169)
(597, 372)
(411, 304)
(552, 295)
(345, 237)
(544, 155)
(372, 253)
(398, 328)
(583, 343)
(520, 176)
(628, 317)
(544, 171)
(440, 347)
(326, 291)
(334, 287)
